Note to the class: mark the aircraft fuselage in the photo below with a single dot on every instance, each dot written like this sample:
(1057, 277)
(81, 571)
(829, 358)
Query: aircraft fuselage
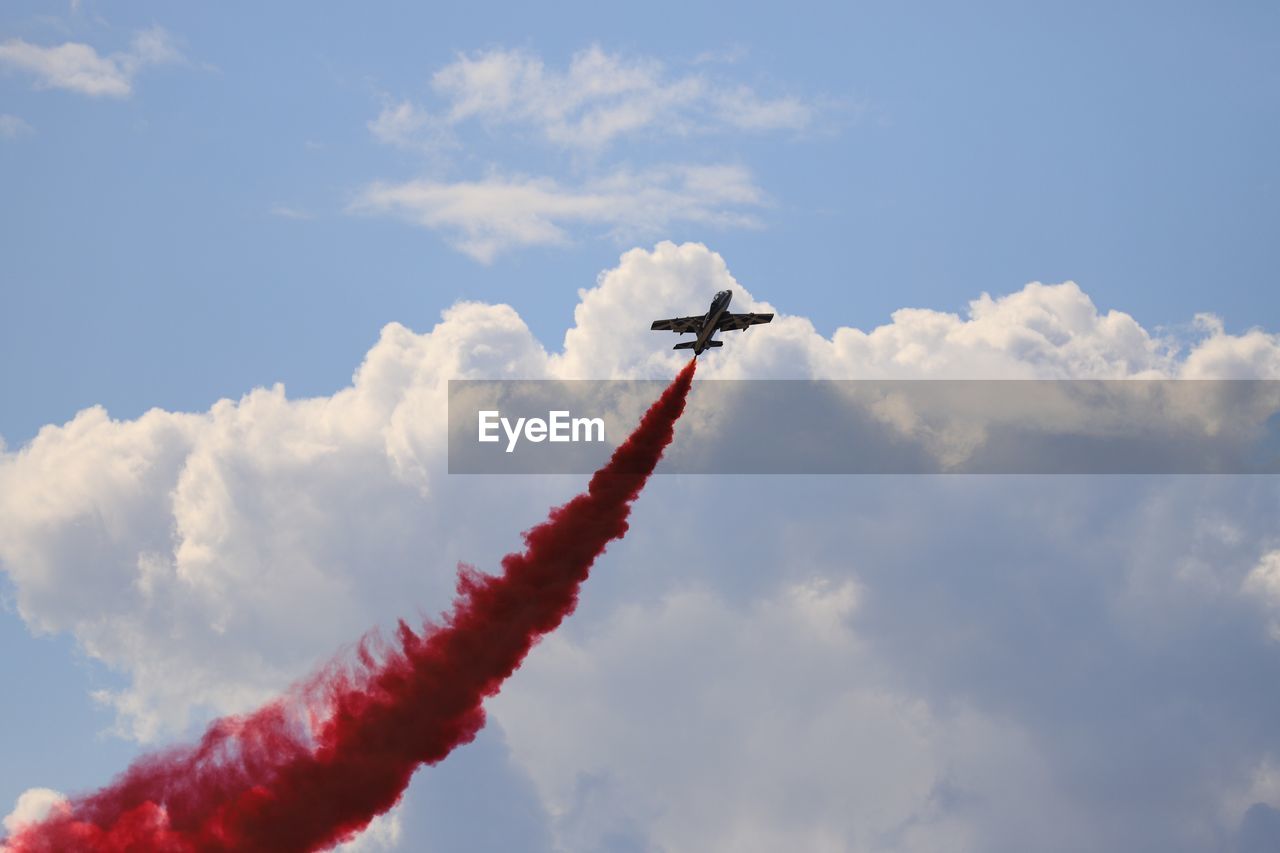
(719, 305)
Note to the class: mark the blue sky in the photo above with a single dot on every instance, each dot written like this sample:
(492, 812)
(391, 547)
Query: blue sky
(210, 223)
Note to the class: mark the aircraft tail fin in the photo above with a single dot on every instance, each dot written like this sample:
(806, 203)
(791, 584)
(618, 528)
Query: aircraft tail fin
(690, 344)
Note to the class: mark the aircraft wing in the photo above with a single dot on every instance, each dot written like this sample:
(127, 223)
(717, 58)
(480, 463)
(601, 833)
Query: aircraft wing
(681, 325)
(738, 322)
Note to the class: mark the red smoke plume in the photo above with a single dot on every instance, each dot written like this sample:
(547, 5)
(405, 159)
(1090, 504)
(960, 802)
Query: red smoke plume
(289, 777)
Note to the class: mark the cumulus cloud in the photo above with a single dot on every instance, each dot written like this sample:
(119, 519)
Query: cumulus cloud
(33, 806)
(484, 218)
(1263, 585)
(195, 524)
(818, 763)
(11, 126)
(599, 98)
(78, 67)
(845, 663)
(1223, 356)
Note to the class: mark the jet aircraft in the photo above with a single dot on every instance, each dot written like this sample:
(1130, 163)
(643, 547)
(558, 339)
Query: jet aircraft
(705, 326)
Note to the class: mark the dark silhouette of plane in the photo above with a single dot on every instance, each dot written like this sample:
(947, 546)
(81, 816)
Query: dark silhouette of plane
(717, 319)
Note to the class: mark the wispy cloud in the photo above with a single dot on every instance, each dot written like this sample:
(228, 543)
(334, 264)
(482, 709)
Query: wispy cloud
(577, 114)
(78, 67)
(486, 217)
(599, 98)
(404, 124)
(286, 212)
(11, 126)
(723, 56)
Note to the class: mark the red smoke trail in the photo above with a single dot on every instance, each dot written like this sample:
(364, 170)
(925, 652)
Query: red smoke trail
(288, 778)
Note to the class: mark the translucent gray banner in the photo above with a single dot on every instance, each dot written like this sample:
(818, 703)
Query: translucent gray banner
(877, 426)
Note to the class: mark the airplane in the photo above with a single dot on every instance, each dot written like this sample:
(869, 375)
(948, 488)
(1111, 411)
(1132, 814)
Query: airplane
(717, 319)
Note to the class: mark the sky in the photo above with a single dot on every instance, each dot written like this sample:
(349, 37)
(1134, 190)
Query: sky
(242, 247)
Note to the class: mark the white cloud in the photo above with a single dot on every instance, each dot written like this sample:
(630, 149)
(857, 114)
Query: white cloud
(195, 527)
(284, 211)
(598, 99)
(153, 46)
(1040, 332)
(33, 806)
(403, 124)
(765, 754)
(692, 723)
(80, 68)
(484, 218)
(11, 127)
(823, 670)
(1263, 584)
(1264, 580)
(727, 56)
(1221, 356)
